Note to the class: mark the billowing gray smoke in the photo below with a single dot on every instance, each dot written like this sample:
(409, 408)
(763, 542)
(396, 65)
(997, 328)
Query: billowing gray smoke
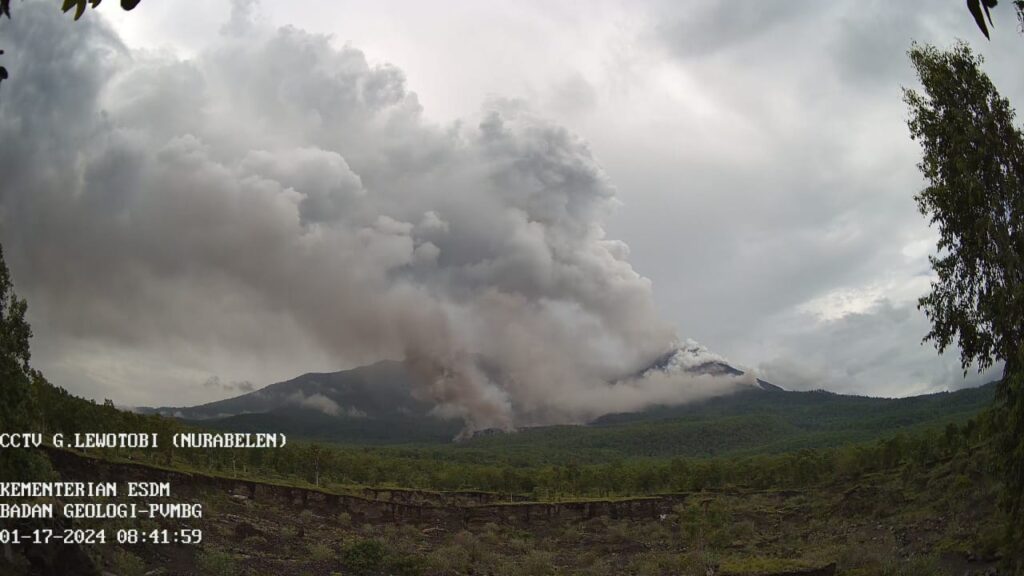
(277, 186)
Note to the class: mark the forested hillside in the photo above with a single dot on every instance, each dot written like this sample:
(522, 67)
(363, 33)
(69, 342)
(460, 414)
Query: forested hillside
(556, 462)
(374, 405)
(749, 422)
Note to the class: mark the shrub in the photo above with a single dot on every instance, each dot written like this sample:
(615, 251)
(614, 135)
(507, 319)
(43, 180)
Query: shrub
(364, 556)
(257, 542)
(915, 566)
(449, 559)
(406, 566)
(657, 563)
(217, 563)
(320, 552)
(534, 563)
(519, 545)
(538, 563)
(127, 564)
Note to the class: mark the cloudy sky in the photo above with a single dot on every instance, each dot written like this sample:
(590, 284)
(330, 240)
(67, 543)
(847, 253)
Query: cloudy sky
(739, 173)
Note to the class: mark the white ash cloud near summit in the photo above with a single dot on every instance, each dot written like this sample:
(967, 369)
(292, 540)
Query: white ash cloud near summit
(277, 184)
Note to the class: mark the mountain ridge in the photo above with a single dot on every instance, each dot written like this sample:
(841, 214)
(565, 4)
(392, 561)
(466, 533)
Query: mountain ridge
(376, 405)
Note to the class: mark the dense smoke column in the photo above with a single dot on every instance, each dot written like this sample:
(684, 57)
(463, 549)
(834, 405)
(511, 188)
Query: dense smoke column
(275, 191)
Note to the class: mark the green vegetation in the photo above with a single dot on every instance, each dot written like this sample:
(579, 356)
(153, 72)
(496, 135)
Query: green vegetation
(974, 164)
(731, 520)
(128, 564)
(904, 520)
(17, 404)
(217, 562)
(365, 556)
(746, 423)
(552, 467)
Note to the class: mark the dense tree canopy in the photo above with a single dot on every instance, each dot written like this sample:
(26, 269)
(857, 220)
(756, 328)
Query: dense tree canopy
(974, 163)
(15, 376)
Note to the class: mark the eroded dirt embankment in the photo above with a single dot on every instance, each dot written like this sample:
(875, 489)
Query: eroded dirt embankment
(369, 504)
(281, 529)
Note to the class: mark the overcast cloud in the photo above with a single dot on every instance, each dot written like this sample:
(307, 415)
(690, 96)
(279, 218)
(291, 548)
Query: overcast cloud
(753, 156)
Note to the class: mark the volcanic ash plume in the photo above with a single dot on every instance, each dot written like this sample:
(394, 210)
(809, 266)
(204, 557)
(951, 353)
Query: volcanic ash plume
(276, 191)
